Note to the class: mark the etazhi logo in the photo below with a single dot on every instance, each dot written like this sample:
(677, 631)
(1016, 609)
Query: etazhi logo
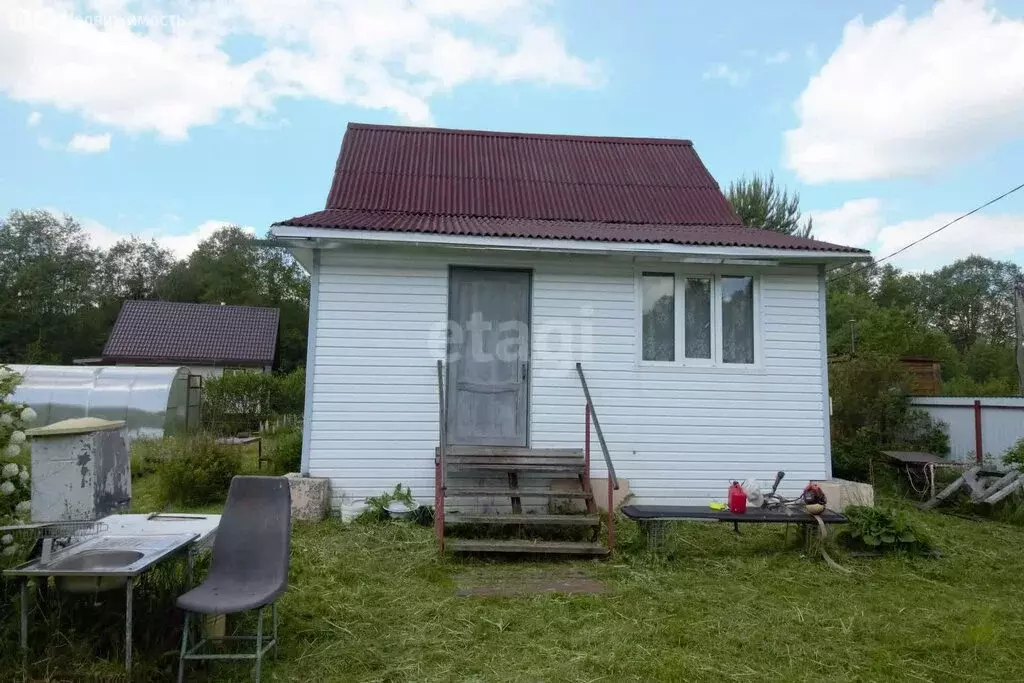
(28, 21)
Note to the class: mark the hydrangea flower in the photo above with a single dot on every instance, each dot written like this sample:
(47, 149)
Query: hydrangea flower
(7, 539)
(23, 507)
(10, 550)
(18, 437)
(23, 475)
(28, 415)
(9, 470)
(6, 418)
(12, 450)
(7, 488)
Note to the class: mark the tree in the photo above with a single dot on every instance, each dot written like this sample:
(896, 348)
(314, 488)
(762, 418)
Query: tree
(135, 269)
(761, 204)
(48, 288)
(972, 299)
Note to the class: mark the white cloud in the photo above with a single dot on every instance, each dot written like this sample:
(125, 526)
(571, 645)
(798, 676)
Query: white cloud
(854, 224)
(780, 57)
(861, 223)
(89, 144)
(33, 119)
(911, 96)
(725, 73)
(997, 236)
(174, 71)
(181, 246)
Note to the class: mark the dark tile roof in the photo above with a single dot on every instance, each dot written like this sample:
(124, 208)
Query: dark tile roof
(175, 332)
(460, 182)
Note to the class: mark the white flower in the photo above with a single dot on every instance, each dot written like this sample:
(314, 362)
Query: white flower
(23, 507)
(11, 549)
(18, 437)
(28, 415)
(6, 488)
(6, 418)
(7, 539)
(9, 470)
(23, 475)
(12, 450)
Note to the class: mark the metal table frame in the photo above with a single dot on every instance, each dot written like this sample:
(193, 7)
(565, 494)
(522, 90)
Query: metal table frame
(654, 518)
(192, 550)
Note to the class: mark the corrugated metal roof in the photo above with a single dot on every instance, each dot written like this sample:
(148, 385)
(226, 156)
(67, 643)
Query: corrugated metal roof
(171, 331)
(530, 185)
(704, 235)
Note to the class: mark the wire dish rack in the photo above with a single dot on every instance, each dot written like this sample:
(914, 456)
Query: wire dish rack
(61, 534)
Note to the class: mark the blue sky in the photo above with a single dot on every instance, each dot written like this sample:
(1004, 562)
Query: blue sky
(168, 119)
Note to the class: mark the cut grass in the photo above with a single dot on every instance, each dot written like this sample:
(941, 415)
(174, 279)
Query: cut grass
(376, 602)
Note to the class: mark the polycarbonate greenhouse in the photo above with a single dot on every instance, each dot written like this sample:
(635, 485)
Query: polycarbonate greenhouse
(153, 401)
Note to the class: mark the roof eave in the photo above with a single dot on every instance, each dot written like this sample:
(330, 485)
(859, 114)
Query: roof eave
(248, 362)
(324, 238)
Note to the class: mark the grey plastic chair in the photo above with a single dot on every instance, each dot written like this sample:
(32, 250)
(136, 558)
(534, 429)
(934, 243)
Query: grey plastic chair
(249, 569)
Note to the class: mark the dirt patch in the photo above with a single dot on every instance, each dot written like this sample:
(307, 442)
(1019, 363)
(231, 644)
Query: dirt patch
(520, 584)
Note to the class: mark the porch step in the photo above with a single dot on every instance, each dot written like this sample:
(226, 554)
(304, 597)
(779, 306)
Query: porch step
(553, 520)
(508, 459)
(463, 545)
(517, 493)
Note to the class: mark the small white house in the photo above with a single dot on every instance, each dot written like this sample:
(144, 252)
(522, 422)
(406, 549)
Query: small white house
(512, 257)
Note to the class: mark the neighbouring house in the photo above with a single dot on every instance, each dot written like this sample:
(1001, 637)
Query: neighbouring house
(513, 257)
(206, 338)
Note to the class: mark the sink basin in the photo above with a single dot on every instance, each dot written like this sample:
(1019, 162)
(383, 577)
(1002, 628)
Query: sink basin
(89, 560)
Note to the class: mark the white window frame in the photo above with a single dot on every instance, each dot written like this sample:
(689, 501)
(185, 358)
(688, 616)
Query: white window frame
(716, 318)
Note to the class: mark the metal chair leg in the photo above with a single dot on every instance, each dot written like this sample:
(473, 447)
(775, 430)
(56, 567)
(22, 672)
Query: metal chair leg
(273, 608)
(184, 648)
(259, 644)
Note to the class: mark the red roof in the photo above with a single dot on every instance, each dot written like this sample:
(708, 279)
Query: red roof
(479, 183)
(206, 334)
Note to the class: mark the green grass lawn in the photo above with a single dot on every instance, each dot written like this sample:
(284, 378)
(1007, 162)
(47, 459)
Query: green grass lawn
(376, 602)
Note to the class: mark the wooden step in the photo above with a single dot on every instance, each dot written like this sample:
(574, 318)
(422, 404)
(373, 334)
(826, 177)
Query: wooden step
(507, 459)
(516, 493)
(553, 520)
(463, 545)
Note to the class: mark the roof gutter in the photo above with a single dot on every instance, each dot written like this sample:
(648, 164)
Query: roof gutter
(338, 237)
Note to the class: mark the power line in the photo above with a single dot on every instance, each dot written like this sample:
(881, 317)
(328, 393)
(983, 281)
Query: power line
(922, 239)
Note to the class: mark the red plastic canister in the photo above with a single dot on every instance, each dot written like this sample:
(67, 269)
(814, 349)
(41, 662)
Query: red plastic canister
(737, 499)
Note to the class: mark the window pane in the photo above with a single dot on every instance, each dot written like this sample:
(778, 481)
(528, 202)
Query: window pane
(697, 319)
(659, 317)
(738, 319)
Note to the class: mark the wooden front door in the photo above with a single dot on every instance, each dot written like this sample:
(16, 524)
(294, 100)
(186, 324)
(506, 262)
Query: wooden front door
(488, 356)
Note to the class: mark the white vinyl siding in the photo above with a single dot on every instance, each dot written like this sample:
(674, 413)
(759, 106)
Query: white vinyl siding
(678, 433)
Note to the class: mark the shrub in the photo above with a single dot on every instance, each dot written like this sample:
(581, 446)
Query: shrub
(882, 529)
(1014, 455)
(14, 476)
(197, 471)
(241, 401)
(871, 411)
(147, 454)
(285, 447)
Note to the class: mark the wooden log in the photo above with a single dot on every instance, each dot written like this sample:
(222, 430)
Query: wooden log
(1005, 491)
(945, 494)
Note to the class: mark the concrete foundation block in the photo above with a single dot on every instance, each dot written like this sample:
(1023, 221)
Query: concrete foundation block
(600, 487)
(841, 494)
(311, 497)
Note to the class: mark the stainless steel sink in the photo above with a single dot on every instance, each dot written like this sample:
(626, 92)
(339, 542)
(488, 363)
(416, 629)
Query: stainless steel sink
(96, 559)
